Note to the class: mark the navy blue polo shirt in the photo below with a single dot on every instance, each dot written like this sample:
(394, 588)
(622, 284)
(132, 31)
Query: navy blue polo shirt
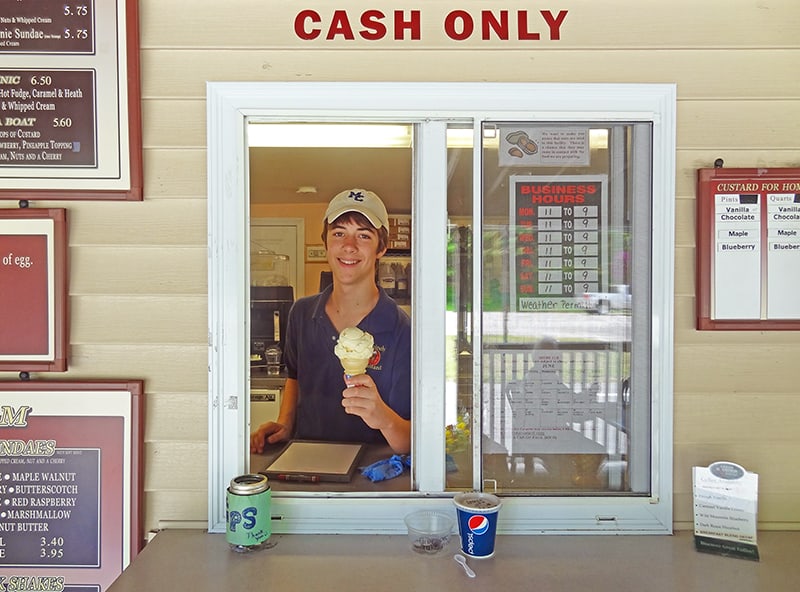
(309, 358)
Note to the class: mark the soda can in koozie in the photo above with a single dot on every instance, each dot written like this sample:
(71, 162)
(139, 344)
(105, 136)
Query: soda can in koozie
(477, 522)
(247, 512)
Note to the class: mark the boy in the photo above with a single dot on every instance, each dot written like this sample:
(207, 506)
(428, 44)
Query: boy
(374, 407)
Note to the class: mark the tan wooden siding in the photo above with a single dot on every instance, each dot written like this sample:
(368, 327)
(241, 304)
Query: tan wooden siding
(709, 74)
(180, 368)
(114, 319)
(141, 269)
(174, 505)
(612, 23)
(173, 467)
(178, 417)
(109, 224)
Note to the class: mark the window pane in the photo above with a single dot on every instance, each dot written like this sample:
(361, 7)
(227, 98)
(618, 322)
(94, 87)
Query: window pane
(295, 170)
(459, 414)
(561, 207)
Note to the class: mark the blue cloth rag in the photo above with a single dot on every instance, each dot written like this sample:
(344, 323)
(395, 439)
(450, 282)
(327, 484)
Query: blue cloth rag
(388, 468)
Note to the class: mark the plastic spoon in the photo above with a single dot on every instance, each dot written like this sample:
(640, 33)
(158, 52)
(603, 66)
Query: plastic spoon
(463, 561)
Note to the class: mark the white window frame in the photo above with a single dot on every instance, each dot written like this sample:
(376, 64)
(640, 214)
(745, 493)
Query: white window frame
(429, 106)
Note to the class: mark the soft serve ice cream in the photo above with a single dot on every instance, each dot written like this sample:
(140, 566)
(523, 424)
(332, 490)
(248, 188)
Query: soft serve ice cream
(354, 350)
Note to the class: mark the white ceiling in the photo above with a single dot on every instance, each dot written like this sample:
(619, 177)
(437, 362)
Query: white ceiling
(277, 173)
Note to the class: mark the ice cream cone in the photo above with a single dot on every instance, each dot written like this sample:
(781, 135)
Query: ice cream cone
(354, 366)
(354, 349)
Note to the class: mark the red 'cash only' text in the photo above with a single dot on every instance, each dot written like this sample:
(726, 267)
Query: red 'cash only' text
(406, 25)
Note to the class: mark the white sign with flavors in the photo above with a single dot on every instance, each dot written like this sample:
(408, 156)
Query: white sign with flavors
(725, 510)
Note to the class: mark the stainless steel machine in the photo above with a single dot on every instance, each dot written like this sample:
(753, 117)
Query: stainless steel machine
(269, 311)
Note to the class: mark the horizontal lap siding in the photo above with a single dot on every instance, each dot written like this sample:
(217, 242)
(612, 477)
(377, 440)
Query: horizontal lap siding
(705, 74)
(622, 24)
(138, 279)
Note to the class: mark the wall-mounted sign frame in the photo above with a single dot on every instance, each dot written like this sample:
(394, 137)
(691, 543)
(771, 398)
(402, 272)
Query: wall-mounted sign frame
(70, 113)
(70, 482)
(33, 290)
(748, 249)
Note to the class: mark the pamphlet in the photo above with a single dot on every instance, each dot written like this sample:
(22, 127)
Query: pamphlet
(725, 510)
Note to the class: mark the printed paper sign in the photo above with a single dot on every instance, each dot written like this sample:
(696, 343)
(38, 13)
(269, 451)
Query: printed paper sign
(542, 146)
(725, 510)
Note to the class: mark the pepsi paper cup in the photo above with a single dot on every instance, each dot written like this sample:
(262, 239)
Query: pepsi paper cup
(477, 522)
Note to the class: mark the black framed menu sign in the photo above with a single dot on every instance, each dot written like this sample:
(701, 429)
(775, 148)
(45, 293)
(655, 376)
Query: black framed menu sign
(70, 118)
(70, 483)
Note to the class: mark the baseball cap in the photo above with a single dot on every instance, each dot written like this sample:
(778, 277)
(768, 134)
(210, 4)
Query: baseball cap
(358, 200)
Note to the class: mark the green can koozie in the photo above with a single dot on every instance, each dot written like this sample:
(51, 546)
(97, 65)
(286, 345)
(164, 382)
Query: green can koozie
(247, 505)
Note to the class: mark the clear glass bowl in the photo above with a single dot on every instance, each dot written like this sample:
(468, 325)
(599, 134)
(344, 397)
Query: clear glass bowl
(429, 532)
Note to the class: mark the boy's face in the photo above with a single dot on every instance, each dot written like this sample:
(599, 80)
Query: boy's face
(353, 248)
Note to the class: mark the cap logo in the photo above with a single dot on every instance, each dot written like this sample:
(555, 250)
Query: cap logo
(358, 200)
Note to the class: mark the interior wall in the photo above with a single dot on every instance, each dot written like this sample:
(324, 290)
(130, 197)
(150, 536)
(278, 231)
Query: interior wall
(138, 271)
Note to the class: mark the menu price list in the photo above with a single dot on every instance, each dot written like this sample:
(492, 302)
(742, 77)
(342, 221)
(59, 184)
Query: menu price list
(783, 254)
(740, 240)
(43, 115)
(47, 27)
(737, 269)
(558, 246)
(50, 508)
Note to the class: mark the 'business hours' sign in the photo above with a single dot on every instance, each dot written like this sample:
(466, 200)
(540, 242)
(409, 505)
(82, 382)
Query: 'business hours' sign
(410, 25)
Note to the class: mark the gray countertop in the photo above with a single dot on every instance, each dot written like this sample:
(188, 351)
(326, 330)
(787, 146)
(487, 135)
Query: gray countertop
(196, 560)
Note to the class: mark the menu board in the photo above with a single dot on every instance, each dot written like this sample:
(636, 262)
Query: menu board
(748, 248)
(559, 243)
(33, 311)
(54, 512)
(69, 483)
(68, 119)
(42, 114)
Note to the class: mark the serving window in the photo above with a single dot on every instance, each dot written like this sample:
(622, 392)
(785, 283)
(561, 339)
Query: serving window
(541, 299)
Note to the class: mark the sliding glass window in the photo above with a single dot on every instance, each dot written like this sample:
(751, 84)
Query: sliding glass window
(557, 267)
(540, 289)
